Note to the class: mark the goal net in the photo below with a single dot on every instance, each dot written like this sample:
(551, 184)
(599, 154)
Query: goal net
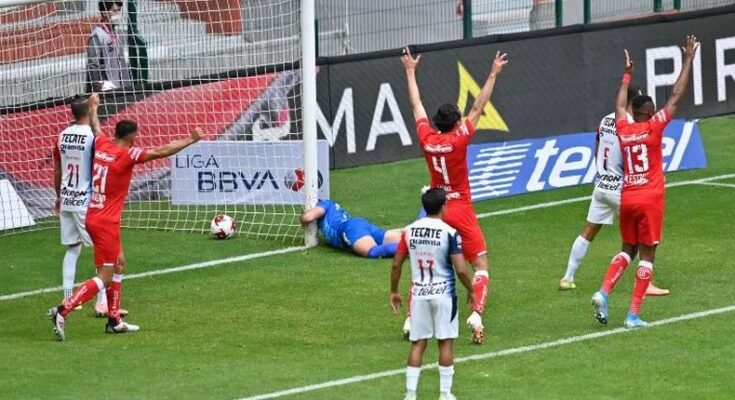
(231, 67)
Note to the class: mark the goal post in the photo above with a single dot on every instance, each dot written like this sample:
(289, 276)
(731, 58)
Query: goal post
(243, 70)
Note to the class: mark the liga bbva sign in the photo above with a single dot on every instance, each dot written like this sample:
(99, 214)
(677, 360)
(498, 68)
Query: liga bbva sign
(236, 172)
(523, 166)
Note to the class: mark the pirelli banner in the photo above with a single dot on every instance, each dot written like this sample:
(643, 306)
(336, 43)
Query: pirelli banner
(557, 82)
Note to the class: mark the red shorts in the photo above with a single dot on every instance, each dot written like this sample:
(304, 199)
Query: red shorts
(642, 220)
(461, 216)
(106, 240)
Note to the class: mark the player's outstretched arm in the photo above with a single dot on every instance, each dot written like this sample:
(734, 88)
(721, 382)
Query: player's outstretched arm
(621, 99)
(395, 277)
(94, 119)
(460, 267)
(487, 89)
(173, 147)
(410, 64)
(689, 50)
(311, 215)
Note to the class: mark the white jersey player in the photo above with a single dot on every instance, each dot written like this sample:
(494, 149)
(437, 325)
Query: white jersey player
(605, 204)
(73, 154)
(435, 252)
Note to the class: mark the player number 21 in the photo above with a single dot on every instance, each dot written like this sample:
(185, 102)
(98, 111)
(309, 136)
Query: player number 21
(640, 153)
(99, 180)
(440, 165)
(73, 171)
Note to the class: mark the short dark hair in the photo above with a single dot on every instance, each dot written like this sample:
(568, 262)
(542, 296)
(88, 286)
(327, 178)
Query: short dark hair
(446, 117)
(633, 92)
(125, 128)
(79, 107)
(106, 5)
(433, 200)
(642, 101)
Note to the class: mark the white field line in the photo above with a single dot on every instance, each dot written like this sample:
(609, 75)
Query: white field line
(215, 263)
(585, 198)
(206, 264)
(720, 184)
(485, 356)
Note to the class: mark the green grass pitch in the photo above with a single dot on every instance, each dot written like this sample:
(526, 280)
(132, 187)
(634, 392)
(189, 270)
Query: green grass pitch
(311, 316)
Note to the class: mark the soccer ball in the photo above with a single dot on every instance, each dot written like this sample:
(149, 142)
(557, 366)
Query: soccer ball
(223, 227)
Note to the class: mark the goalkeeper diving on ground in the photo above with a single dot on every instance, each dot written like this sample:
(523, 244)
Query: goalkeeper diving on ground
(354, 234)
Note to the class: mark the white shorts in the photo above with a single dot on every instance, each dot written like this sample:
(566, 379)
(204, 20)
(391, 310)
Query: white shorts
(436, 318)
(73, 228)
(603, 207)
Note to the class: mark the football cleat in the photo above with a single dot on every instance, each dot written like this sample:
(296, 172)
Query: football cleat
(58, 322)
(653, 290)
(100, 311)
(478, 331)
(447, 396)
(599, 301)
(634, 321)
(566, 285)
(122, 327)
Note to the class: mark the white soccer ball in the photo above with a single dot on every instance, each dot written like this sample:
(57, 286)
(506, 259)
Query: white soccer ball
(223, 227)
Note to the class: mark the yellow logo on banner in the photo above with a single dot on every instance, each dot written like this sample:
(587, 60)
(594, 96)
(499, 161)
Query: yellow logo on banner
(490, 119)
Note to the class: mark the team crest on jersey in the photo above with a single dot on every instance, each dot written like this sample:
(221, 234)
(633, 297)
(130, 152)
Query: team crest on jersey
(438, 148)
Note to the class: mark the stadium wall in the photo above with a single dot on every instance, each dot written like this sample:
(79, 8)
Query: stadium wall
(558, 81)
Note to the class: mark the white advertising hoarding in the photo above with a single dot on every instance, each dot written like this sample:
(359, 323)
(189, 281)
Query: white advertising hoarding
(237, 172)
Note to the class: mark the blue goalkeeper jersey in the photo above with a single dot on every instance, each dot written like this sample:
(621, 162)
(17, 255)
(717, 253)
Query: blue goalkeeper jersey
(332, 224)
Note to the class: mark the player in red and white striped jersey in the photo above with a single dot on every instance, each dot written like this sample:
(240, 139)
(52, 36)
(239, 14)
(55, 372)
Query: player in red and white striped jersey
(445, 151)
(113, 169)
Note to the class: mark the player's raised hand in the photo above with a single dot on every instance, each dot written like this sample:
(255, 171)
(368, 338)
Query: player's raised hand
(94, 101)
(628, 62)
(395, 302)
(690, 48)
(196, 134)
(409, 62)
(499, 62)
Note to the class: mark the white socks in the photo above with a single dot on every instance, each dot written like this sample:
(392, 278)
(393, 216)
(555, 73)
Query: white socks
(412, 379)
(579, 249)
(69, 269)
(446, 375)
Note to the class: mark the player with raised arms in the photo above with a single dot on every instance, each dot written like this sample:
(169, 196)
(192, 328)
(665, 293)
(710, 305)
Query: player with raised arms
(435, 252)
(445, 151)
(113, 169)
(642, 202)
(605, 204)
(345, 232)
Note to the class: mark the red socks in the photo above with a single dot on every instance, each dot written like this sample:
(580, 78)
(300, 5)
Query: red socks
(479, 287)
(642, 280)
(83, 294)
(614, 272)
(114, 294)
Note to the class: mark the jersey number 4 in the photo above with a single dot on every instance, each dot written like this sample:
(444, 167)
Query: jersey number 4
(637, 157)
(440, 166)
(99, 180)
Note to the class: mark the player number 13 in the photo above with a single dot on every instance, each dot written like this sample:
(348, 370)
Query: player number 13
(637, 156)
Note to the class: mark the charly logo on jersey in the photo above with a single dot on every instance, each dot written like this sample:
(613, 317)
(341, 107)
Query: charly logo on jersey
(510, 168)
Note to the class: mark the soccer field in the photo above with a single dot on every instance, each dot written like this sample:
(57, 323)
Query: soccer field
(279, 317)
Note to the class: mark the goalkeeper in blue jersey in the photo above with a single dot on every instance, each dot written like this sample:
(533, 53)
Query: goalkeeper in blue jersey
(345, 232)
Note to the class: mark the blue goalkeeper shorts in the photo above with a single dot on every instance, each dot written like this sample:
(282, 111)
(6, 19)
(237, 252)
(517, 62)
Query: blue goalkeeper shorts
(355, 229)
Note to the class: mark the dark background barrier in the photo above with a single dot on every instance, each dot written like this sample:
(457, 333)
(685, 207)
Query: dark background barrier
(560, 81)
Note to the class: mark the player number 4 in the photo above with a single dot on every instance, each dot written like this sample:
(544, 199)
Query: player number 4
(637, 157)
(440, 166)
